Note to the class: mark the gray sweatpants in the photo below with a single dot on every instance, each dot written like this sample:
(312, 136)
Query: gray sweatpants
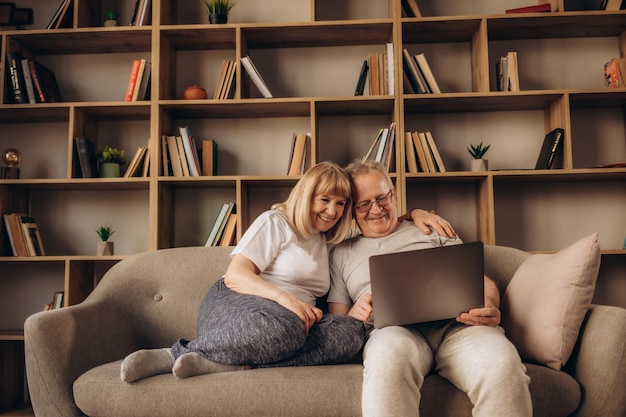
(240, 329)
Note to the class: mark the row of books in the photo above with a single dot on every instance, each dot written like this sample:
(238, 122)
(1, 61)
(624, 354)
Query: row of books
(381, 79)
(226, 81)
(23, 234)
(141, 13)
(422, 154)
(182, 159)
(88, 160)
(57, 301)
(419, 78)
(29, 81)
(139, 165)
(507, 73)
(138, 87)
(224, 226)
(63, 16)
(382, 146)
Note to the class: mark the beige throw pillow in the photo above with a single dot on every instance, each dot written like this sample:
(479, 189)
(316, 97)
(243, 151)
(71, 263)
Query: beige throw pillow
(547, 299)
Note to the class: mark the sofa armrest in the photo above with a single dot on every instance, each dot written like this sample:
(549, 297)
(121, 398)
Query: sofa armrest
(598, 362)
(62, 344)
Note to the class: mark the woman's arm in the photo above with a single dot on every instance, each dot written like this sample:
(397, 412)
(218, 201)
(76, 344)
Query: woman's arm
(424, 220)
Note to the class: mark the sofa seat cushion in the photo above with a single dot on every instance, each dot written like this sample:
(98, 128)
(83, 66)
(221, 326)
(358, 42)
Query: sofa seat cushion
(333, 390)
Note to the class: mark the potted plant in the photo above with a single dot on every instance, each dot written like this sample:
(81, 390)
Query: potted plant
(218, 10)
(104, 246)
(111, 17)
(477, 152)
(110, 160)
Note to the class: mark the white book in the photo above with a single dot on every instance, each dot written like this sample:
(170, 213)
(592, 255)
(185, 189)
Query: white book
(188, 144)
(381, 145)
(428, 74)
(218, 224)
(390, 71)
(256, 76)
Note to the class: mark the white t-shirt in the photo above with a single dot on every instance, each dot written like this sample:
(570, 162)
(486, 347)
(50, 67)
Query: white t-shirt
(290, 262)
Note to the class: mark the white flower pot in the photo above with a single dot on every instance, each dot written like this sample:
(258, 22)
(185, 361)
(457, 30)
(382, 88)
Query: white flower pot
(480, 165)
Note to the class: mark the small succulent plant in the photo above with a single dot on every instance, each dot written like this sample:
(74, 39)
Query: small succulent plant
(478, 151)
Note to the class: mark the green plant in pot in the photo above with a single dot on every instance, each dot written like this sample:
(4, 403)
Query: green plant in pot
(218, 10)
(478, 152)
(109, 160)
(111, 17)
(104, 246)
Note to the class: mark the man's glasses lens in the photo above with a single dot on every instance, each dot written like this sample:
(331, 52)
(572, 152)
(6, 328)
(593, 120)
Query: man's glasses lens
(381, 202)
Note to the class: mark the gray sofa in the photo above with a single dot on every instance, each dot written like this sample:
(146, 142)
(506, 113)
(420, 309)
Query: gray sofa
(151, 299)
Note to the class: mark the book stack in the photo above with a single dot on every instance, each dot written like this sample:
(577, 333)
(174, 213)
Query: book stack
(63, 16)
(297, 158)
(507, 73)
(224, 226)
(421, 153)
(180, 154)
(382, 146)
(255, 76)
(381, 80)
(29, 81)
(141, 13)
(225, 88)
(139, 165)
(23, 234)
(418, 75)
(138, 87)
(57, 301)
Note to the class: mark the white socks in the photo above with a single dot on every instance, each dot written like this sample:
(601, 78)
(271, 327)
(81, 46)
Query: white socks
(149, 362)
(193, 364)
(145, 363)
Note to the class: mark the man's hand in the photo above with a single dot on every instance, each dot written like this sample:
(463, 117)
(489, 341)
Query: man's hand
(485, 316)
(424, 220)
(362, 308)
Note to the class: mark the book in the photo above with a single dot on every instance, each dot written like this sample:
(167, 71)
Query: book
(209, 157)
(56, 14)
(390, 78)
(409, 150)
(15, 233)
(411, 9)
(255, 76)
(191, 152)
(132, 79)
(17, 90)
(425, 88)
(502, 74)
(221, 80)
(389, 147)
(535, 8)
(63, 17)
(143, 13)
(142, 85)
(374, 75)
(184, 163)
(138, 78)
(218, 224)
(57, 300)
(435, 151)
(612, 5)
(411, 72)
(552, 144)
(298, 154)
(421, 155)
(166, 166)
(428, 74)
(28, 81)
(373, 144)
(175, 161)
(87, 158)
(428, 156)
(360, 85)
(45, 83)
(145, 172)
(228, 235)
(231, 82)
(381, 145)
(133, 17)
(513, 72)
(32, 236)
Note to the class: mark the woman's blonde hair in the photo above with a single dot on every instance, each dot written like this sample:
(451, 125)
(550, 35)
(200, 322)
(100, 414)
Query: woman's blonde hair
(325, 178)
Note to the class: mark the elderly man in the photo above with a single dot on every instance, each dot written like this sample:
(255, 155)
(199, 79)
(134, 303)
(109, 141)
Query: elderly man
(470, 351)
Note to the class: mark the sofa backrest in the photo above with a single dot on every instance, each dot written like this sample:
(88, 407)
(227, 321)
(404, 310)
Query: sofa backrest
(160, 292)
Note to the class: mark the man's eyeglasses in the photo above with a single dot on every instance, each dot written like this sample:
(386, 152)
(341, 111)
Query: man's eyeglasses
(381, 202)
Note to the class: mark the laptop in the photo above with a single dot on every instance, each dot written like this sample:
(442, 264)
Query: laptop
(426, 285)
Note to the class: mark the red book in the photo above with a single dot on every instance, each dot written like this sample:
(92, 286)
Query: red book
(537, 8)
(132, 80)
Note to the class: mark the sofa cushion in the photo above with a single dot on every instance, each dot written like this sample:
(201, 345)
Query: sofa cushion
(316, 391)
(547, 299)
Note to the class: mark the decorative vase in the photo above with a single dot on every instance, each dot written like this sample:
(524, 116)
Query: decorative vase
(195, 93)
(480, 165)
(110, 23)
(217, 18)
(109, 170)
(105, 248)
